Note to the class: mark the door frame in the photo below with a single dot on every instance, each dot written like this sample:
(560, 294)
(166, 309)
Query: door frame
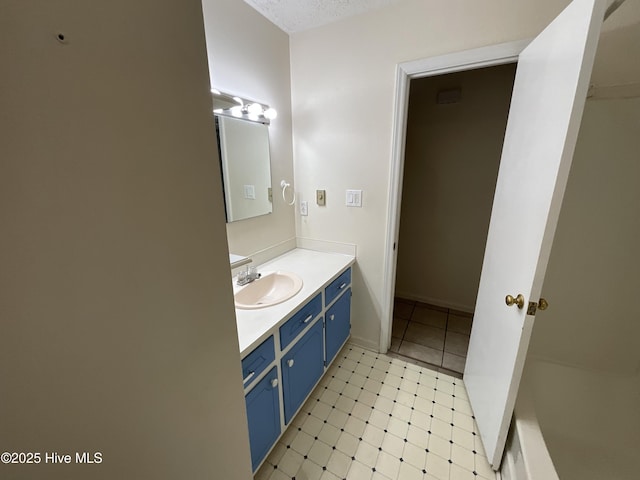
(489, 56)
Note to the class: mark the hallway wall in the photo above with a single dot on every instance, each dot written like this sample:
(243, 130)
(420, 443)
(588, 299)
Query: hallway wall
(118, 332)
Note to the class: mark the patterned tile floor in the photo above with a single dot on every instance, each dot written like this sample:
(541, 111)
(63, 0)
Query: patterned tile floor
(374, 417)
(435, 335)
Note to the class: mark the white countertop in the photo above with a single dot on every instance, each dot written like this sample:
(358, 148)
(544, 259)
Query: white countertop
(315, 268)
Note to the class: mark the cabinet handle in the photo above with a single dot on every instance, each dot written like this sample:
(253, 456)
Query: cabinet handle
(331, 317)
(248, 377)
(308, 319)
(290, 362)
(342, 286)
(274, 382)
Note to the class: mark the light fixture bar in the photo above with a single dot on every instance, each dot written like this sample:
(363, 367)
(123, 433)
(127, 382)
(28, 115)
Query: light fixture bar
(229, 105)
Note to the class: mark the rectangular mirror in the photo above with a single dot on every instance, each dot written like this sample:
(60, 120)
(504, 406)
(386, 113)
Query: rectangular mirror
(246, 167)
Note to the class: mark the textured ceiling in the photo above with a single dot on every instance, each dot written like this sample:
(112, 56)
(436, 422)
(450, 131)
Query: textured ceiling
(297, 15)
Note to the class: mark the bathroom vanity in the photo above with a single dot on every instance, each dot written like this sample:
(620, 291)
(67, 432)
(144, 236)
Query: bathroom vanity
(286, 348)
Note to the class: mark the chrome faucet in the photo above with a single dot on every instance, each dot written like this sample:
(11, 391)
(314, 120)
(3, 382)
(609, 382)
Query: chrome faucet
(248, 275)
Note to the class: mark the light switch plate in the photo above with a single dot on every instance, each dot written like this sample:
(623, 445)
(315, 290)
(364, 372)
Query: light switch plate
(321, 197)
(354, 198)
(250, 192)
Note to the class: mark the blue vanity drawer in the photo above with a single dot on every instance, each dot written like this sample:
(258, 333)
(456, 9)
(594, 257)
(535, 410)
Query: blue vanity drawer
(336, 287)
(255, 363)
(299, 321)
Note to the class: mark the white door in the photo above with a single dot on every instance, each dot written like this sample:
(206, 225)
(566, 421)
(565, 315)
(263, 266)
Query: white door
(546, 109)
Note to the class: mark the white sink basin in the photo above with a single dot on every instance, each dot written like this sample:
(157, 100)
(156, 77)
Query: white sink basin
(270, 289)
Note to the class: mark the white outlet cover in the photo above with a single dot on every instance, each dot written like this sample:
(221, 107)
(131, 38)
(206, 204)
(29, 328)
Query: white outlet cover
(304, 208)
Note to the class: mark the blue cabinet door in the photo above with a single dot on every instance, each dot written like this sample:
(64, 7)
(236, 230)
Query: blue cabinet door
(338, 325)
(302, 367)
(263, 413)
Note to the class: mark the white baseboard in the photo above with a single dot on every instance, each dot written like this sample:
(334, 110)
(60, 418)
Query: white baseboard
(364, 343)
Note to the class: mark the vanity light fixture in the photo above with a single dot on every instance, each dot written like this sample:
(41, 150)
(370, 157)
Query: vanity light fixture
(238, 107)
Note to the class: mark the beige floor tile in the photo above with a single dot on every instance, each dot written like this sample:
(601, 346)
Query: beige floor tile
(339, 464)
(456, 343)
(395, 345)
(399, 326)
(409, 472)
(425, 335)
(327, 475)
(290, 462)
(279, 475)
(421, 352)
(415, 455)
(460, 473)
(302, 443)
(360, 471)
(320, 453)
(437, 467)
(347, 444)
(367, 454)
(451, 373)
(463, 438)
(388, 465)
(393, 445)
(309, 470)
(403, 308)
(429, 316)
(329, 434)
(418, 437)
(463, 457)
(453, 362)
(458, 324)
(412, 427)
(440, 446)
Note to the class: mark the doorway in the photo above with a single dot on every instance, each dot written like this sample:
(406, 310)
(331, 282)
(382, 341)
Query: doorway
(544, 118)
(454, 134)
(406, 72)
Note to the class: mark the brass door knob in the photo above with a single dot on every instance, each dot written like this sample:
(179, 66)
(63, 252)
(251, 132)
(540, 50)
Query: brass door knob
(511, 301)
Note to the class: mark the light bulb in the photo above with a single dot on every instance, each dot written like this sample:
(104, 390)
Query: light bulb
(236, 111)
(270, 113)
(239, 100)
(255, 109)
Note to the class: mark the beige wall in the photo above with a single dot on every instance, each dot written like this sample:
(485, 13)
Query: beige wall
(343, 87)
(450, 170)
(118, 330)
(592, 280)
(249, 56)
